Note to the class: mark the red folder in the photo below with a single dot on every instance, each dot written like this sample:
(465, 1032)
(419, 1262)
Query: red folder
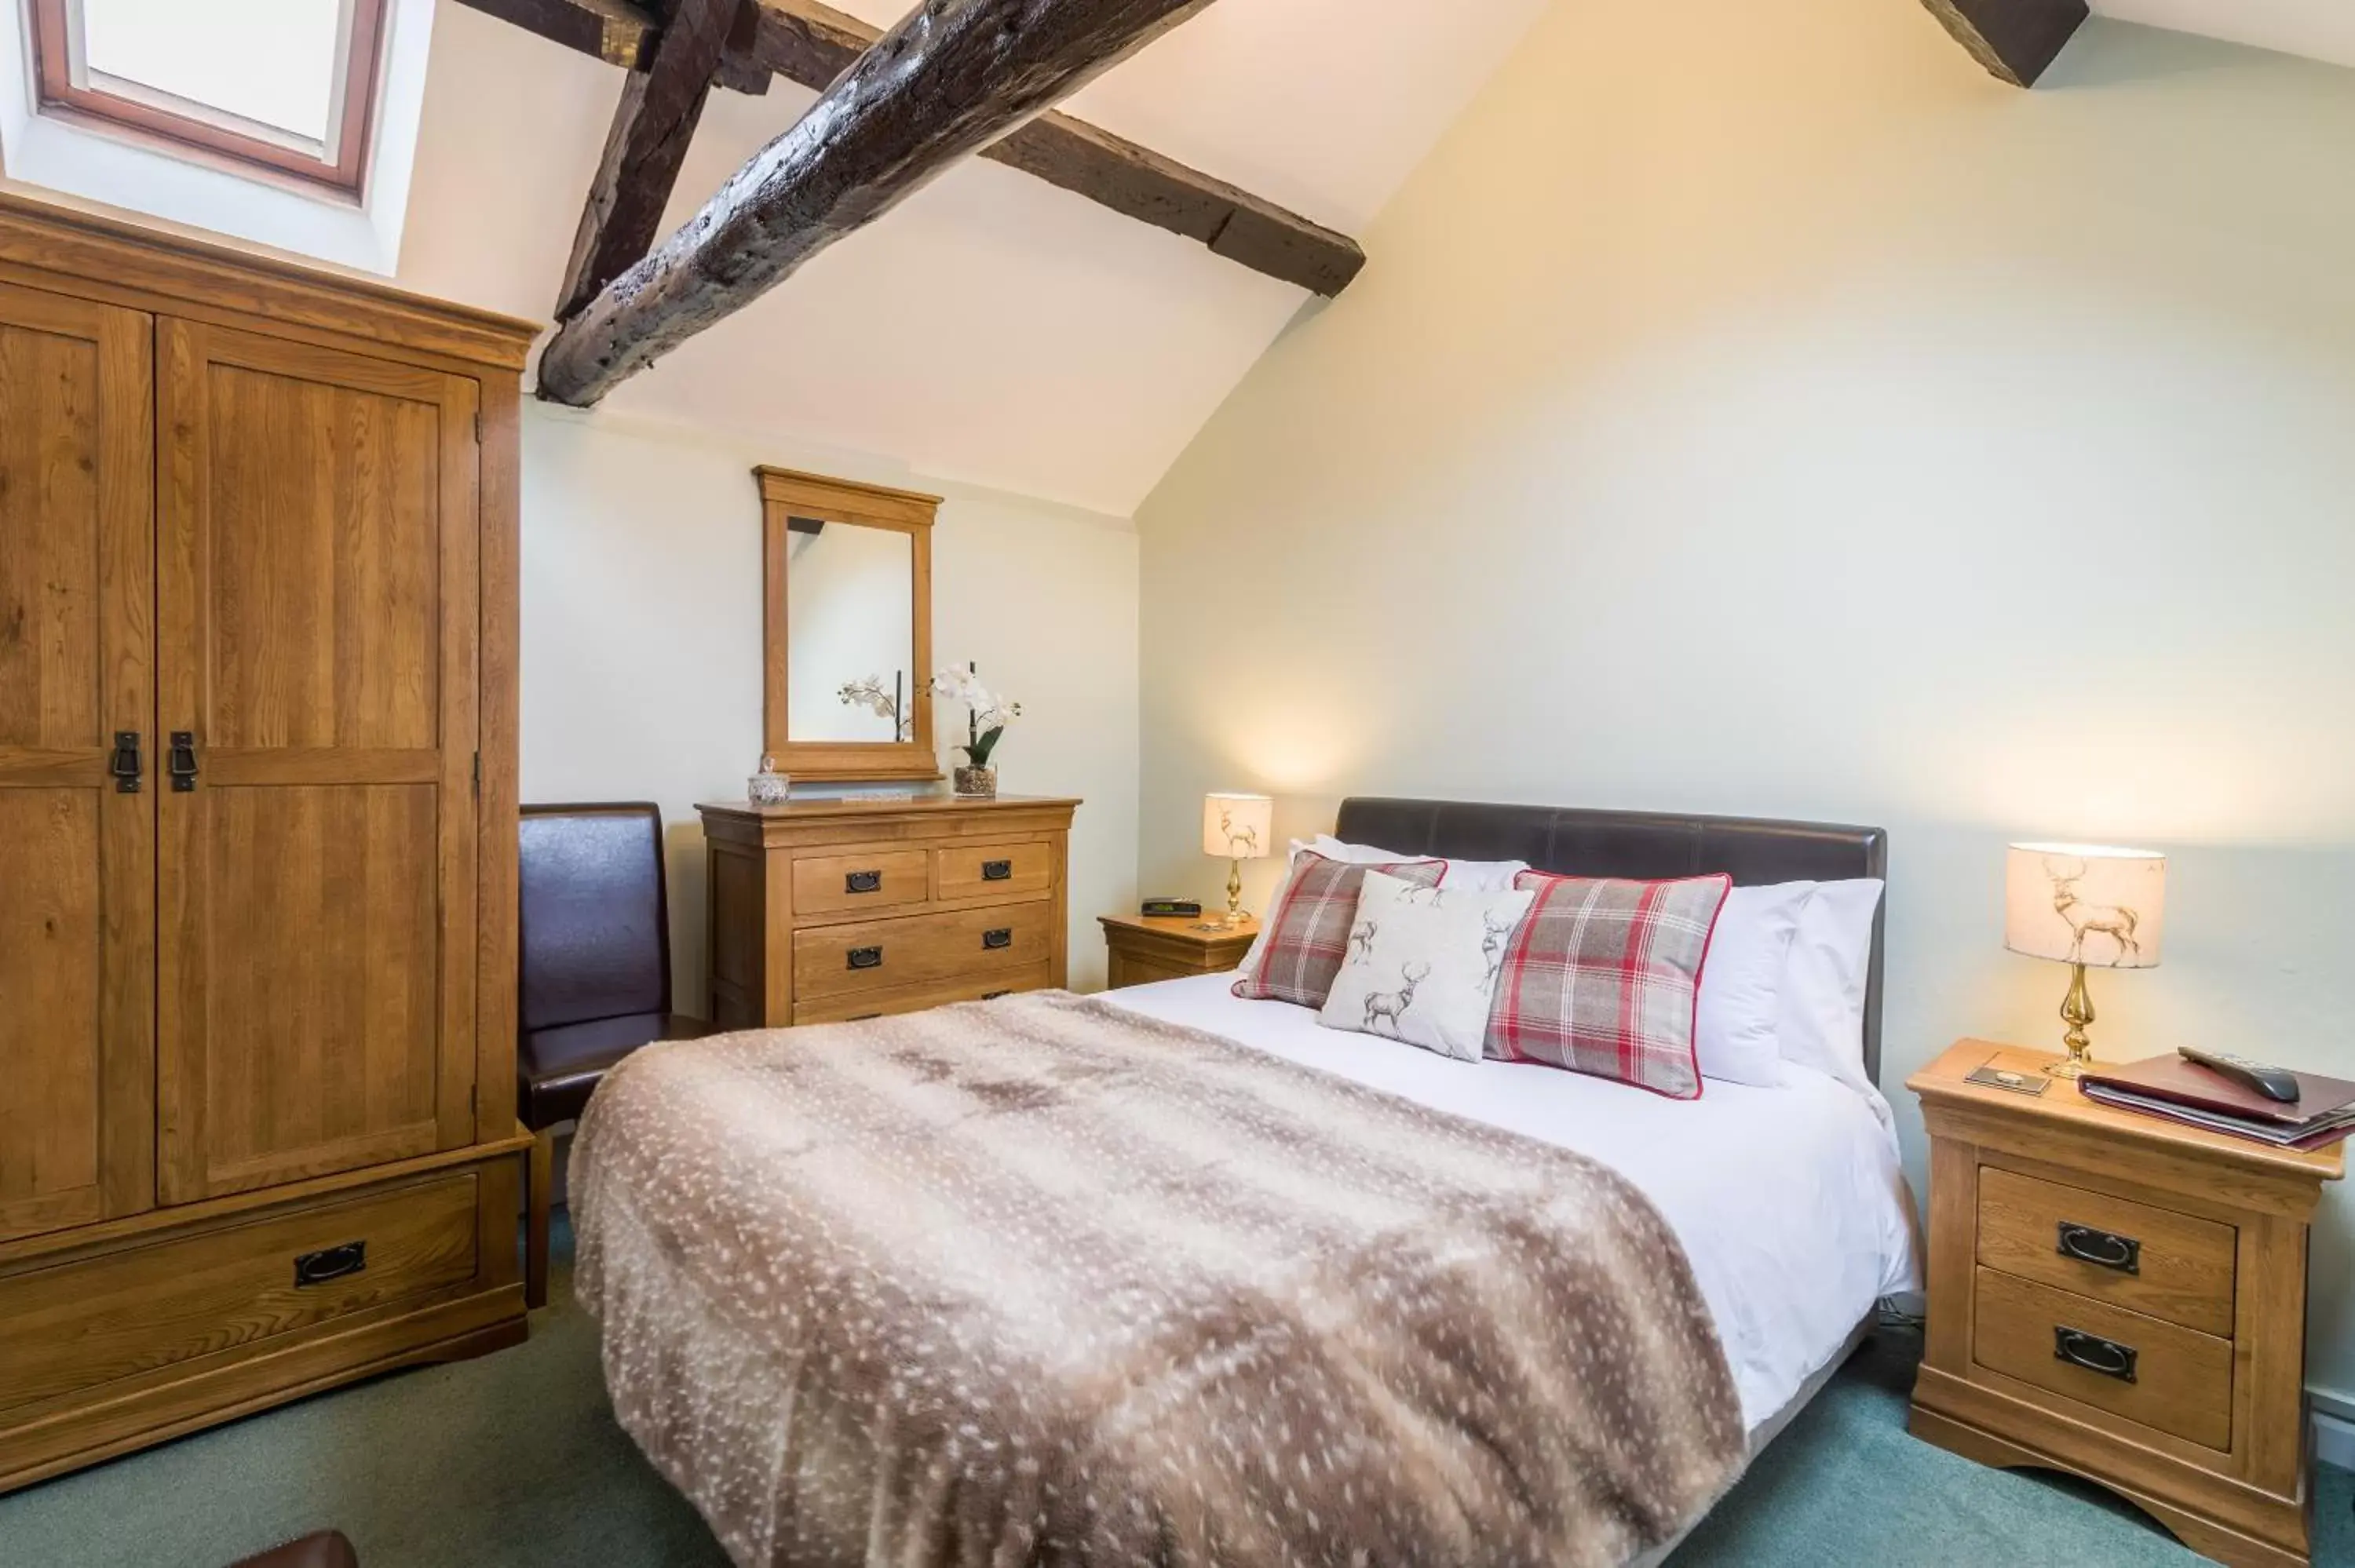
(2170, 1077)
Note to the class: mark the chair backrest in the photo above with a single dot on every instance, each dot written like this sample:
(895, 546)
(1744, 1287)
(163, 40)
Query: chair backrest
(594, 927)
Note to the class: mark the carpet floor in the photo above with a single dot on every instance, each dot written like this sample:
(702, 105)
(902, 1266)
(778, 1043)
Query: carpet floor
(514, 1461)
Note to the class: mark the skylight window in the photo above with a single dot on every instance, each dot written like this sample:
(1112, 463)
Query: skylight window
(287, 84)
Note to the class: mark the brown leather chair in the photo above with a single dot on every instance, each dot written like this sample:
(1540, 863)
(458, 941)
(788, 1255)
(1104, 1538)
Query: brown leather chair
(594, 939)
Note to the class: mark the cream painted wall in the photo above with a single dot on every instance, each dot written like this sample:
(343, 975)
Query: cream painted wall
(1759, 409)
(642, 643)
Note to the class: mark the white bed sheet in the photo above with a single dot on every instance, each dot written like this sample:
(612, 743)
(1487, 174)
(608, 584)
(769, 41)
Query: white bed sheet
(1789, 1201)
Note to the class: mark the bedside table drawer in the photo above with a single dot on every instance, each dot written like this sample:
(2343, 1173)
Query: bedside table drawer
(2155, 1374)
(2129, 1254)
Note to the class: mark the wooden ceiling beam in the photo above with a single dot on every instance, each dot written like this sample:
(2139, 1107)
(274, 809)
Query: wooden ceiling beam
(661, 103)
(2015, 39)
(813, 44)
(949, 79)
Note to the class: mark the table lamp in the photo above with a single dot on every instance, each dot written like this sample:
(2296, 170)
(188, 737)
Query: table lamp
(1238, 827)
(2081, 904)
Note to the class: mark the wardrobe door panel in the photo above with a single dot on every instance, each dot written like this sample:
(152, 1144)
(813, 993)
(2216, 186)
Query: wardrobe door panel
(317, 612)
(76, 854)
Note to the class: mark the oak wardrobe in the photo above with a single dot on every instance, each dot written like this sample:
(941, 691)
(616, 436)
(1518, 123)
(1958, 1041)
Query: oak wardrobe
(257, 835)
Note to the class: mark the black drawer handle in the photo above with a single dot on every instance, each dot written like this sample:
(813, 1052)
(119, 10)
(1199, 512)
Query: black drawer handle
(2102, 1249)
(1001, 937)
(333, 1263)
(863, 882)
(866, 957)
(998, 871)
(993, 995)
(2094, 1353)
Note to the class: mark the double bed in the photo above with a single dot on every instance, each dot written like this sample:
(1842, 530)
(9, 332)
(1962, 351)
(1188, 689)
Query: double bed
(1173, 1276)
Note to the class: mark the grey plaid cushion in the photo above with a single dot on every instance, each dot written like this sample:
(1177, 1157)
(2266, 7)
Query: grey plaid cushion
(1308, 929)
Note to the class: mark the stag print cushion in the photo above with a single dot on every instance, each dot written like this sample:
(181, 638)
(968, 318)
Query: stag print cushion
(1423, 964)
(1306, 932)
(1604, 977)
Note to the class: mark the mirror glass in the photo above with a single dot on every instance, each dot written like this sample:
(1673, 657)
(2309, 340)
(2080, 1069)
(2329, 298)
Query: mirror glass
(850, 634)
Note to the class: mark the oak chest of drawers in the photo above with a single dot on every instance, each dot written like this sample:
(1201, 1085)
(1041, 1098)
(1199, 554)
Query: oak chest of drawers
(2123, 1297)
(822, 910)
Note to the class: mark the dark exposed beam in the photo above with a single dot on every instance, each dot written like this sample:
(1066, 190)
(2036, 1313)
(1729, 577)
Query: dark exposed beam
(810, 43)
(652, 126)
(2015, 39)
(951, 78)
(618, 32)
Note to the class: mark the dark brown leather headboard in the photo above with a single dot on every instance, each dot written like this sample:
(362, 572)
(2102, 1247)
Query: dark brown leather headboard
(1578, 842)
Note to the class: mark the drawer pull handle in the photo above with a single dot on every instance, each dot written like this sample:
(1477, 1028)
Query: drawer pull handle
(998, 871)
(863, 882)
(1001, 937)
(866, 957)
(331, 1263)
(2094, 1353)
(993, 995)
(2102, 1249)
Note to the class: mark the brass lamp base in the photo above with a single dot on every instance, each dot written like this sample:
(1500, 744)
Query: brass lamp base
(2077, 1012)
(1236, 914)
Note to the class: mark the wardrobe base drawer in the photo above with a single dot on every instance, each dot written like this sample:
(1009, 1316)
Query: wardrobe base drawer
(915, 999)
(76, 1325)
(2155, 1374)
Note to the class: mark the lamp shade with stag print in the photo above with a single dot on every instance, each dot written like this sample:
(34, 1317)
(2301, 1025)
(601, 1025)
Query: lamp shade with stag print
(1237, 827)
(2086, 904)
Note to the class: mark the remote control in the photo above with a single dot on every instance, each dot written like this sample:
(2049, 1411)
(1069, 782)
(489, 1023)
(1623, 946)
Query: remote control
(2273, 1083)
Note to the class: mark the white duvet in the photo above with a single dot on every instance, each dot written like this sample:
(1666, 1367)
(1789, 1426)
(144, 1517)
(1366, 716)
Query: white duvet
(1789, 1200)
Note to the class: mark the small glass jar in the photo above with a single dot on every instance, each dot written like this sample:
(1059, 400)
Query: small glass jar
(768, 787)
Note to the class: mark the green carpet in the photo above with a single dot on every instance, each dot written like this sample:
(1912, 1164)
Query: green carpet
(514, 1460)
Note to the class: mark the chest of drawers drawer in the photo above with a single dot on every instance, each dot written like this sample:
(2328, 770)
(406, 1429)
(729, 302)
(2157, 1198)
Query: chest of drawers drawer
(916, 949)
(862, 882)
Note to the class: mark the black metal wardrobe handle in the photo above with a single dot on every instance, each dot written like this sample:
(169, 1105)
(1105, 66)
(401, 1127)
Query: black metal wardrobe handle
(125, 764)
(1001, 937)
(182, 764)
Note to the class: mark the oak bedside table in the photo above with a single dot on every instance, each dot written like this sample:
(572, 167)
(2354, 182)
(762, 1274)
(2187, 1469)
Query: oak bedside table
(1142, 949)
(2123, 1297)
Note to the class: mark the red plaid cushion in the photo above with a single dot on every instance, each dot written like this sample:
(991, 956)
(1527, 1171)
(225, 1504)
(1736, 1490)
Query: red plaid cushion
(1603, 978)
(1306, 935)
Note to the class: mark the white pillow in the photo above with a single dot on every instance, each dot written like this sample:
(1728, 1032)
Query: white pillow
(1820, 1020)
(1480, 876)
(1423, 964)
(1736, 1021)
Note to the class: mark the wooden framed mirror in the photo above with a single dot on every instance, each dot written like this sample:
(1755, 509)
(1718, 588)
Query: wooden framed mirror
(847, 628)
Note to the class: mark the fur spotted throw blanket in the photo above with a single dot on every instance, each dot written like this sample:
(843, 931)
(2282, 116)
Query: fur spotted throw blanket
(1038, 1281)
